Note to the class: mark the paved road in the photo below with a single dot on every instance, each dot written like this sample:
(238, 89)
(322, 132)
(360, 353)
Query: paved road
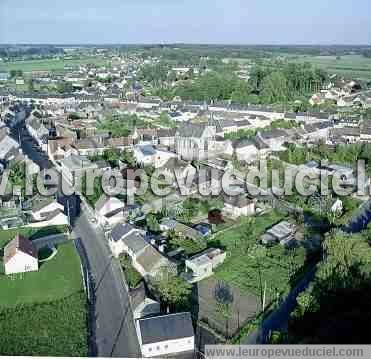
(111, 318)
(114, 333)
(29, 147)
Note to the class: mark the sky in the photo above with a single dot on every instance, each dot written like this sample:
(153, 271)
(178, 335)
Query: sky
(186, 21)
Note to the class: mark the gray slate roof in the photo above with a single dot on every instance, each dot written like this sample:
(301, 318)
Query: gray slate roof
(192, 130)
(120, 230)
(166, 327)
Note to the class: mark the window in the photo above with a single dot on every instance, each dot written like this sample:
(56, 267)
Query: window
(166, 346)
(158, 348)
(149, 349)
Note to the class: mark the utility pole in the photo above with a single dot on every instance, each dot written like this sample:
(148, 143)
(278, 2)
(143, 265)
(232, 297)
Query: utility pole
(68, 212)
(264, 294)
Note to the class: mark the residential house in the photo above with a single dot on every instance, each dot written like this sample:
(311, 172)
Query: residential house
(316, 132)
(147, 155)
(201, 266)
(20, 256)
(89, 146)
(166, 137)
(236, 206)
(282, 232)
(75, 166)
(109, 210)
(54, 218)
(125, 238)
(246, 151)
(38, 131)
(43, 206)
(7, 145)
(274, 139)
(165, 335)
(177, 169)
(345, 135)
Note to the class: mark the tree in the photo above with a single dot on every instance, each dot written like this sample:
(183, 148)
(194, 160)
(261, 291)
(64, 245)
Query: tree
(111, 155)
(30, 85)
(275, 88)
(248, 231)
(128, 157)
(16, 73)
(172, 289)
(64, 87)
(152, 223)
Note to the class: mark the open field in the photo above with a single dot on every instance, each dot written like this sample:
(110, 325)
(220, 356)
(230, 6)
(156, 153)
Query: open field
(352, 66)
(56, 279)
(49, 329)
(53, 64)
(250, 271)
(44, 312)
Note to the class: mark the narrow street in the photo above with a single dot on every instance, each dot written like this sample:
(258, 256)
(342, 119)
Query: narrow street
(114, 330)
(111, 320)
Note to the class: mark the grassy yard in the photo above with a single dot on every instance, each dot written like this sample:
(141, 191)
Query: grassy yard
(190, 247)
(246, 270)
(57, 278)
(44, 312)
(53, 64)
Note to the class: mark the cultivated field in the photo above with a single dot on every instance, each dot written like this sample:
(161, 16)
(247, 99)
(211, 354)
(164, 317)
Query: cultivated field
(50, 64)
(352, 66)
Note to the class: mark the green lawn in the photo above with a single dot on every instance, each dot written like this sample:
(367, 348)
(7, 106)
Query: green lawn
(44, 313)
(190, 247)
(56, 279)
(52, 64)
(242, 268)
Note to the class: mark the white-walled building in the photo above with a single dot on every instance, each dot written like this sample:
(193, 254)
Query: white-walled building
(109, 210)
(20, 256)
(165, 334)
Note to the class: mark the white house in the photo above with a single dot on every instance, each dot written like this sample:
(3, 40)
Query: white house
(20, 256)
(74, 166)
(116, 243)
(43, 206)
(55, 218)
(165, 334)
(145, 259)
(236, 206)
(109, 210)
(201, 265)
(246, 151)
(147, 155)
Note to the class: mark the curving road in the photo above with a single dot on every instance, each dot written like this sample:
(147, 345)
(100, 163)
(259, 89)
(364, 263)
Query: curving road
(113, 333)
(110, 316)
